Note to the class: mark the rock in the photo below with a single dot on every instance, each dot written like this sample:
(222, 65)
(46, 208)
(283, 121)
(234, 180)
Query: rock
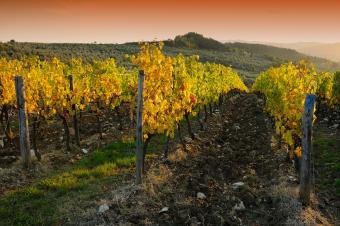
(164, 209)
(194, 221)
(260, 102)
(239, 206)
(292, 179)
(2, 144)
(72, 131)
(197, 137)
(187, 139)
(78, 157)
(9, 158)
(85, 151)
(103, 208)
(335, 126)
(107, 124)
(237, 185)
(32, 152)
(201, 195)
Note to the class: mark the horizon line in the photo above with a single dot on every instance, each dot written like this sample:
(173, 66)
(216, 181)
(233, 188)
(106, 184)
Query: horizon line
(170, 39)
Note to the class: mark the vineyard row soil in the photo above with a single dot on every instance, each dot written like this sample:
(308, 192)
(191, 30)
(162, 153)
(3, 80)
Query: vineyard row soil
(235, 172)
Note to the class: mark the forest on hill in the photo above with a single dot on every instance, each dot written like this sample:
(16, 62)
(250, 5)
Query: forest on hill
(247, 59)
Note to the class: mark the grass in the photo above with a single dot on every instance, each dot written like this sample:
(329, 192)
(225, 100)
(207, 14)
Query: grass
(48, 201)
(327, 161)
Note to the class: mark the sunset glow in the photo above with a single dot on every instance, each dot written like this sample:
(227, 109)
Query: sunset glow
(121, 21)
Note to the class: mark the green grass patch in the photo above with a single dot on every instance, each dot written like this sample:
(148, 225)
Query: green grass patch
(47, 200)
(112, 153)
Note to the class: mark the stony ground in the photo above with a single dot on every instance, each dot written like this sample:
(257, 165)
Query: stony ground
(233, 173)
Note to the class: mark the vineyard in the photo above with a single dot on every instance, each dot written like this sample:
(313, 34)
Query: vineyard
(212, 118)
(174, 88)
(285, 89)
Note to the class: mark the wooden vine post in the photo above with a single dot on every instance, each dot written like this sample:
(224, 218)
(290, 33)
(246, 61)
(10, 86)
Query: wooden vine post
(139, 129)
(307, 148)
(23, 122)
(75, 120)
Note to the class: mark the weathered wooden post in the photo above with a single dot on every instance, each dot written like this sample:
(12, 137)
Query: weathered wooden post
(23, 122)
(139, 129)
(75, 120)
(307, 146)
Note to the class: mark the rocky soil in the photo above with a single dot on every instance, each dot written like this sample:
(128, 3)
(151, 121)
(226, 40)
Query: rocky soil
(235, 172)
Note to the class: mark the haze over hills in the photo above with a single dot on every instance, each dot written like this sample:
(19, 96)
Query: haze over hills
(329, 51)
(248, 59)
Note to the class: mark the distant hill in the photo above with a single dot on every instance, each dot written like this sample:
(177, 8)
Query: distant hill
(195, 41)
(329, 51)
(293, 45)
(248, 59)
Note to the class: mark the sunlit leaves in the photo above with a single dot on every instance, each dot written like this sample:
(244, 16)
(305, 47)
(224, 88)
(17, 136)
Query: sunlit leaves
(285, 89)
(174, 86)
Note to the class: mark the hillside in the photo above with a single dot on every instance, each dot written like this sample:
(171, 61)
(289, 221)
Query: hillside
(248, 59)
(66, 51)
(329, 51)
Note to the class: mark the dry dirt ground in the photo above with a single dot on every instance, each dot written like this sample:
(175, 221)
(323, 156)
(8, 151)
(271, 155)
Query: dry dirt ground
(235, 172)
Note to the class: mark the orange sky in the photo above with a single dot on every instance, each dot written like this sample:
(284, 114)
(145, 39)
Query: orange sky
(132, 20)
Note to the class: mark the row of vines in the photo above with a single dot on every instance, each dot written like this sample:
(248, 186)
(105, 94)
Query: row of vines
(285, 89)
(175, 87)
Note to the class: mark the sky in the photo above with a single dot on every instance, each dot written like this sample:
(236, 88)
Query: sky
(113, 21)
